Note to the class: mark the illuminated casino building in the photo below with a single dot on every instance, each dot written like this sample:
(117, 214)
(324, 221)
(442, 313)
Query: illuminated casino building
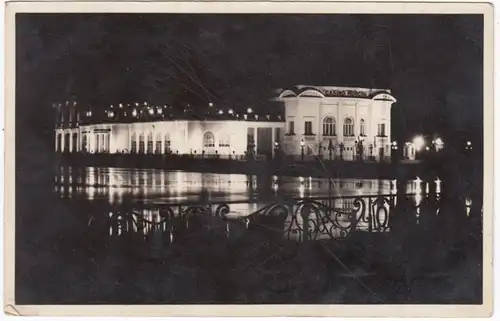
(303, 121)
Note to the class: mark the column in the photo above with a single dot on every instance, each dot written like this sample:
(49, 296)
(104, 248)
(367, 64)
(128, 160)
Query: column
(70, 136)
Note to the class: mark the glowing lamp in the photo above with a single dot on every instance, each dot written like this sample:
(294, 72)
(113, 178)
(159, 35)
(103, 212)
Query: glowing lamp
(418, 142)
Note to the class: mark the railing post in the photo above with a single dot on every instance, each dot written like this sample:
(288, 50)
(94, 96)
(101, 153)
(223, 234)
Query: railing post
(370, 217)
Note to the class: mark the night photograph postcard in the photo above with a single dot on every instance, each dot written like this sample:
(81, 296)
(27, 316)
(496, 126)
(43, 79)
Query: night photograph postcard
(248, 159)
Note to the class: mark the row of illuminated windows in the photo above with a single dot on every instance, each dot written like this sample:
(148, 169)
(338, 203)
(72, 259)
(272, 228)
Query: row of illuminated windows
(209, 140)
(330, 129)
(150, 146)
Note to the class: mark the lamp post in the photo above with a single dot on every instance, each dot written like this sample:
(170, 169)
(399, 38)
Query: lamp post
(330, 149)
(394, 148)
(438, 144)
(468, 146)
(359, 148)
(302, 143)
(341, 149)
(276, 148)
(419, 143)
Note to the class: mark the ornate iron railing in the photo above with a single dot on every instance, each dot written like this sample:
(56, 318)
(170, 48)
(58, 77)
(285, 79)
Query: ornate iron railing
(297, 218)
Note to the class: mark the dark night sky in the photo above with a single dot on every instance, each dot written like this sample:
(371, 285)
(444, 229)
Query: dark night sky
(432, 63)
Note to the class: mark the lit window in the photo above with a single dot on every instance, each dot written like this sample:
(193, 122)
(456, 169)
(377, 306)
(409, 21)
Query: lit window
(158, 144)
(381, 130)
(308, 128)
(291, 127)
(208, 140)
(329, 126)
(348, 127)
(97, 148)
(362, 127)
(133, 145)
(150, 143)
(84, 143)
(224, 141)
(59, 145)
(141, 144)
(74, 143)
(167, 144)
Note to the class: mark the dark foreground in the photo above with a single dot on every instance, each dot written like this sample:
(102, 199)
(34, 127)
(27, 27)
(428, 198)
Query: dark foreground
(66, 254)
(88, 256)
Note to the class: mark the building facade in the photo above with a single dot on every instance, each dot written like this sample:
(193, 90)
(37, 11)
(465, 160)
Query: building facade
(309, 121)
(337, 122)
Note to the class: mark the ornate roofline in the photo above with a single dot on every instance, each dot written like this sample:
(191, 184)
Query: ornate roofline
(327, 92)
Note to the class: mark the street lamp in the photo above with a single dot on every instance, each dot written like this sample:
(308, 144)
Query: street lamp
(276, 148)
(418, 143)
(249, 110)
(468, 146)
(302, 143)
(438, 144)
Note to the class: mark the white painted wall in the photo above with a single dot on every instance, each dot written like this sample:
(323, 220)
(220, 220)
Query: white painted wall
(302, 109)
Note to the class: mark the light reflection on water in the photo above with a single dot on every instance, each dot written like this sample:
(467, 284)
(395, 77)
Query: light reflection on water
(160, 186)
(156, 186)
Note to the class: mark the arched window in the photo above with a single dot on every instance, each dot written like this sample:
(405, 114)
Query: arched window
(158, 144)
(362, 127)
(348, 127)
(141, 144)
(224, 141)
(167, 144)
(208, 140)
(133, 145)
(150, 143)
(329, 126)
